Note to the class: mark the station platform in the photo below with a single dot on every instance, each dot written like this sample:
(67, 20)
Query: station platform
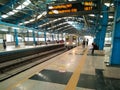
(75, 69)
(11, 48)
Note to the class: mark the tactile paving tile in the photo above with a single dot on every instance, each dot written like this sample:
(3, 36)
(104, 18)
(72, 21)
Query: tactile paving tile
(52, 76)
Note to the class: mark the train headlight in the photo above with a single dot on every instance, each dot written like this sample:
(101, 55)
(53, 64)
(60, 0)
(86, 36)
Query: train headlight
(73, 43)
(67, 43)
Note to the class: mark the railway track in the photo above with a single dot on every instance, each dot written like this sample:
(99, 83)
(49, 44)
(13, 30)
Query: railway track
(11, 68)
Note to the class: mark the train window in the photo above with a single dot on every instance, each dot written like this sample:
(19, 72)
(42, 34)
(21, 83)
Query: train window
(74, 37)
(67, 38)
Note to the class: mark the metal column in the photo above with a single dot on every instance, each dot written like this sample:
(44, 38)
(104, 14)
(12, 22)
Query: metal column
(52, 36)
(34, 41)
(27, 35)
(115, 55)
(16, 37)
(45, 36)
(96, 30)
(104, 27)
(97, 38)
(58, 36)
(62, 36)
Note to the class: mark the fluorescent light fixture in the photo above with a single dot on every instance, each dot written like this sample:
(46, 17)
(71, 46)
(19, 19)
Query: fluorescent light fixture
(101, 16)
(15, 11)
(55, 11)
(26, 22)
(32, 20)
(50, 7)
(109, 27)
(30, 30)
(69, 22)
(50, 21)
(43, 14)
(3, 30)
(112, 4)
(109, 22)
(15, 28)
(25, 4)
(71, 0)
(90, 20)
(10, 13)
(39, 16)
(20, 23)
(4, 16)
(110, 16)
(92, 15)
(107, 4)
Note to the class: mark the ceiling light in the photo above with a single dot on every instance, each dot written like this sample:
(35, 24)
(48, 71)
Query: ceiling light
(101, 16)
(32, 20)
(4, 16)
(110, 16)
(90, 20)
(112, 4)
(20, 23)
(26, 22)
(25, 4)
(55, 11)
(15, 11)
(39, 16)
(3, 30)
(15, 28)
(50, 7)
(71, 0)
(11, 13)
(91, 15)
(107, 4)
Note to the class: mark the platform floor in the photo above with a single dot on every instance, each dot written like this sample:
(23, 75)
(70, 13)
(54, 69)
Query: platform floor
(11, 48)
(71, 70)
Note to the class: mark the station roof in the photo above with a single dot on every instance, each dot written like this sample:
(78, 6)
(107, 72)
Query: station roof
(33, 14)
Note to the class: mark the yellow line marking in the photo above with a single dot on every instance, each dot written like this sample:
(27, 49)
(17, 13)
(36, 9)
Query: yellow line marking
(71, 85)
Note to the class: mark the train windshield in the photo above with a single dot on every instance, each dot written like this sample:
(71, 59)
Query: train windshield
(67, 38)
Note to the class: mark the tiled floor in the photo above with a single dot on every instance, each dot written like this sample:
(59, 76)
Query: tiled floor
(52, 76)
(55, 74)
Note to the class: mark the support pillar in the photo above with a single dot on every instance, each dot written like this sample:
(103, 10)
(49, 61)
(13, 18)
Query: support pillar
(45, 36)
(16, 37)
(115, 55)
(104, 27)
(97, 38)
(96, 30)
(62, 36)
(27, 35)
(37, 36)
(58, 36)
(34, 41)
(52, 36)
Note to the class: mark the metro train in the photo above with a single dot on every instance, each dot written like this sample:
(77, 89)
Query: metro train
(71, 41)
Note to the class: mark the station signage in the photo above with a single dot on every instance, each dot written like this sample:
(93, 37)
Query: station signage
(72, 8)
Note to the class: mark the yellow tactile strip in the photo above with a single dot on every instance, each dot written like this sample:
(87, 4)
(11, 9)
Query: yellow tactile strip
(71, 85)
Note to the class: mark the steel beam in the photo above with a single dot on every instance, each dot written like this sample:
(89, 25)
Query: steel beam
(10, 3)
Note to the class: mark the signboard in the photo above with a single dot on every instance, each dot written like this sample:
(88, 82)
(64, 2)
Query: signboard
(72, 8)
